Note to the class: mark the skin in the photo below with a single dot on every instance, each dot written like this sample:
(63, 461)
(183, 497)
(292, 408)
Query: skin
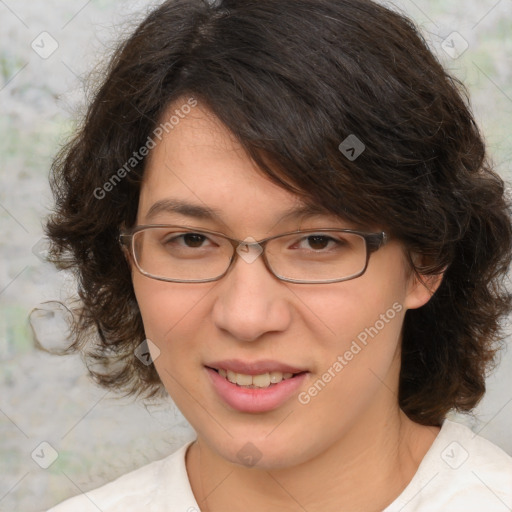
(351, 447)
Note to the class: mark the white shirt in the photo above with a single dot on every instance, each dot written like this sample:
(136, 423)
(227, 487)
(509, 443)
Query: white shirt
(461, 472)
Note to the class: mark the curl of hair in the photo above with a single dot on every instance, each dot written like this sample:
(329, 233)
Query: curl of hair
(291, 80)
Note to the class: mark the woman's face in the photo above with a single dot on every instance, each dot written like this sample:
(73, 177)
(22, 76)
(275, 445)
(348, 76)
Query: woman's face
(343, 338)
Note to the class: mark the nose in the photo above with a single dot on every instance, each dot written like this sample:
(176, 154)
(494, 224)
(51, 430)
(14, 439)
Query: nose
(250, 301)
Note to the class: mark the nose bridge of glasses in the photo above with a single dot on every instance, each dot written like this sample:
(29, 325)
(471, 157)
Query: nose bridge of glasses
(248, 249)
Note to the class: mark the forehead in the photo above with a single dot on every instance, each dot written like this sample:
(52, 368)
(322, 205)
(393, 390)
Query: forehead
(200, 169)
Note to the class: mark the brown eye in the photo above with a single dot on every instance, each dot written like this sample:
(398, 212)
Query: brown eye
(193, 240)
(318, 242)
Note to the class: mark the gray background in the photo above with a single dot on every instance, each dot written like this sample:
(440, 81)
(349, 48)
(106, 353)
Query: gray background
(49, 399)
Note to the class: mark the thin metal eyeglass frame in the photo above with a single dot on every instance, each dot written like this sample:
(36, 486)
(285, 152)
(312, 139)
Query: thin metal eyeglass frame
(373, 242)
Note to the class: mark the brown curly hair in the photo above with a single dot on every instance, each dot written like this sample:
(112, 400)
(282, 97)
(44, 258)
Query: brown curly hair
(291, 80)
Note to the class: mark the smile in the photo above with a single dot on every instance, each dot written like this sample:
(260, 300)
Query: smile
(263, 380)
(257, 391)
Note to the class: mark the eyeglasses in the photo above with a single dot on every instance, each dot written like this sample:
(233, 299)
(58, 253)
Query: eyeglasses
(182, 254)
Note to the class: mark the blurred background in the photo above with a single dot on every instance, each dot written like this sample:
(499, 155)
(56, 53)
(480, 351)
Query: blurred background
(59, 434)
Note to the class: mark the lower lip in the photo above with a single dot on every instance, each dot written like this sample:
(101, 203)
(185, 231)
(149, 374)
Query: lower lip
(254, 399)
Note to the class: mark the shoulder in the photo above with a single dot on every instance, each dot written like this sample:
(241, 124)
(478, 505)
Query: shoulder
(461, 471)
(146, 488)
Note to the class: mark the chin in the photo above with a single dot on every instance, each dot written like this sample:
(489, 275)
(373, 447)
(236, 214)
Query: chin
(261, 452)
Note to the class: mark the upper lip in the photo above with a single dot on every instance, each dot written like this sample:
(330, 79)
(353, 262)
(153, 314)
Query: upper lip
(254, 367)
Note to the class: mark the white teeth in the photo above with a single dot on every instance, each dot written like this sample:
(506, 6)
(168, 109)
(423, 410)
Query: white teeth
(231, 376)
(243, 380)
(275, 377)
(263, 380)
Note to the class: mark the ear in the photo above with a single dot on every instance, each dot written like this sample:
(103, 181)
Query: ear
(421, 287)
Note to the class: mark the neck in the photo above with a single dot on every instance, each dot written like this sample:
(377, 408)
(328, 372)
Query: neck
(365, 470)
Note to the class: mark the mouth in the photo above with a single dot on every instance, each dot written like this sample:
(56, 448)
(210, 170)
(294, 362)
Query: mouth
(255, 387)
(259, 381)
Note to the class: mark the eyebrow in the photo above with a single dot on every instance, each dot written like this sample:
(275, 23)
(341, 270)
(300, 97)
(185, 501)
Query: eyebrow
(303, 210)
(206, 213)
(182, 208)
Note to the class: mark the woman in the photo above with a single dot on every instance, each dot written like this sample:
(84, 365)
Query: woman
(289, 207)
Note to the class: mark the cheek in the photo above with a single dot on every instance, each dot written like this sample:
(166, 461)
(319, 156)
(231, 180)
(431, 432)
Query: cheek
(358, 332)
(358, 359)
(173, 315)
(169, 310)
(347, 311)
